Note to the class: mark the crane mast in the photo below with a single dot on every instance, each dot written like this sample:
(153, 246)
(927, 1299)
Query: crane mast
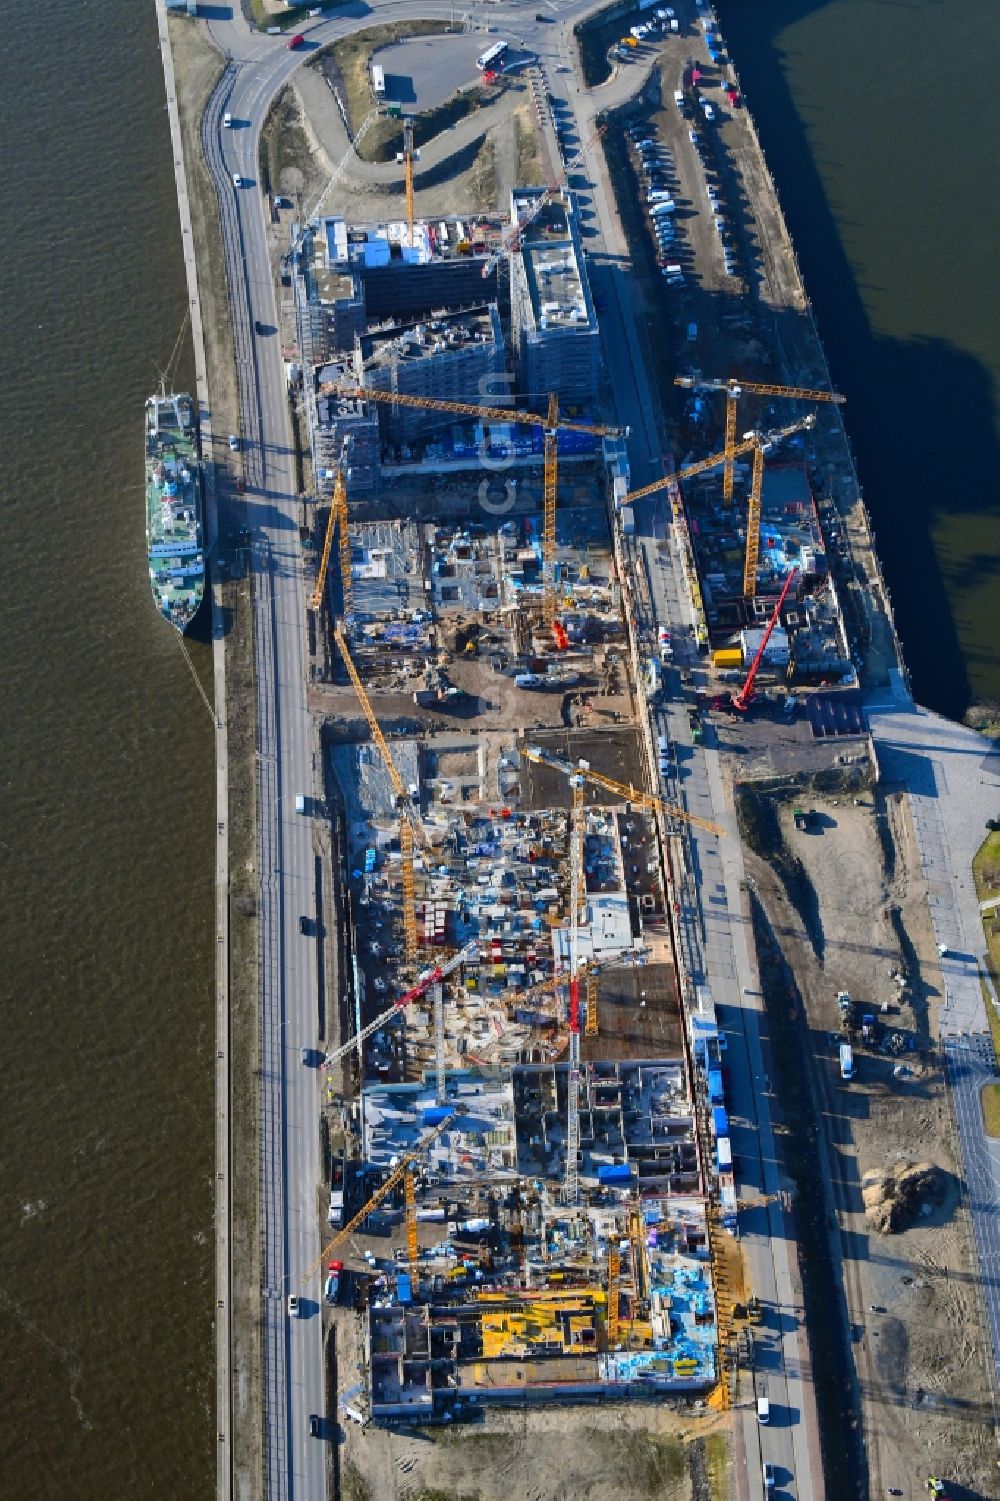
(746, 445)
(551, 486)
(623, 789)
(734, 389)
(338, 515)
(406, 831)
(572, 1186)
(430, 978)
(395, 1177)
(465, 408)
(753, 525)
(745, 697)
(512, 238)
(614, 1271)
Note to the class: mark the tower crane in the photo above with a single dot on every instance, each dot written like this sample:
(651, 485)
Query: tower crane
(511, 240)
(614, 1271)
(746, 695)
(338, 515)
(647, 800)
(746, 445)
(551, 424)
(429, 978)
(753, 512)
(572, 1186)
(395, 1177)
(734, 389)
(409, 826)
(341, 166)
(407, 157)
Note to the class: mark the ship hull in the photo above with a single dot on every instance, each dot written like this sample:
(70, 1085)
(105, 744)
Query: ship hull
(174, 508)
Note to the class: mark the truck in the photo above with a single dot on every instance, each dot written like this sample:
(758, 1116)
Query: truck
(846, 1061)
(724, 1152)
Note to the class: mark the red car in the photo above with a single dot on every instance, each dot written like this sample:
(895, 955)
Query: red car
(296, 42)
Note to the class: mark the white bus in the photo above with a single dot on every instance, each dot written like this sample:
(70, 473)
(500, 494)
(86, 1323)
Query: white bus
(378, 81)
(492, 60)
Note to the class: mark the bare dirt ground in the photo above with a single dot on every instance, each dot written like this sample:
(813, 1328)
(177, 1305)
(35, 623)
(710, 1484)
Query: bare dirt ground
(916, 1325)
(645, 1453)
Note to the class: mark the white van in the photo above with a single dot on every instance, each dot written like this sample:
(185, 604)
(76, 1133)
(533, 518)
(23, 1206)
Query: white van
(763, 1410)
(300, 802)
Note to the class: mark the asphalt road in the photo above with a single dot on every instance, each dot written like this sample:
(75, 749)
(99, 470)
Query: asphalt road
(717, 953)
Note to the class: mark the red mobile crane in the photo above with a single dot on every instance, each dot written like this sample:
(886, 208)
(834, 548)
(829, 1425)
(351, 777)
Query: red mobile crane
(745, 697)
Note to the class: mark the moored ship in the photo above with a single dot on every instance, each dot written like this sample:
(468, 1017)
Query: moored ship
(174, 508)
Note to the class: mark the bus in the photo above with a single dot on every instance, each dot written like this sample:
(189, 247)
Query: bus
(492, 60)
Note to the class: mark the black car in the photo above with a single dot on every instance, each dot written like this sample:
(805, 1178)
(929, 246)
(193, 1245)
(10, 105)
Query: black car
(313, 1425)
(258, 326)
(303, 925)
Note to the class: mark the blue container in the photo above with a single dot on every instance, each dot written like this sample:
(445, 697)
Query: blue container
(716, 1093)
(404, 1288)
(614, 1172)
(435, 1114)
(720, 1120)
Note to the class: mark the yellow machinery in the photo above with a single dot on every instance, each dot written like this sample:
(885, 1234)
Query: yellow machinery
(734, 389)
(397, 1175)
(746, 445)
(408, 156)
(632, 794)
(410, 1210)
(338, 513)
(614, 1269)
(408, 825)
(551, 424)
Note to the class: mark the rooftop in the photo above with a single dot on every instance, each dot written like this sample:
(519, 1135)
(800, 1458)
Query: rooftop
(448, 332)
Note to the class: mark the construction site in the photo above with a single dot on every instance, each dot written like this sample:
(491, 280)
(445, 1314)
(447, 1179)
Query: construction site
(524, 1103)
(541, 688)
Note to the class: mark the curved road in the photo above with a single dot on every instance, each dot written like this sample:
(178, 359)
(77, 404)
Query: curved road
(295, 1464)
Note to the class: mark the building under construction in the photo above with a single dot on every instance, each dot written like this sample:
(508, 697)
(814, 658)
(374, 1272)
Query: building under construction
(553, 320)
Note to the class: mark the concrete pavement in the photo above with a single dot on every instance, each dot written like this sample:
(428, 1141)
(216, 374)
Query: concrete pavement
(223, 1082)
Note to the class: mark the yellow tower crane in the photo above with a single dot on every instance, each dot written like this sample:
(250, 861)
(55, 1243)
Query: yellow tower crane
(734, 389)
(409, 827)
(753, 511)
(647, 800)
(614, 1270)
(396, 1177)
(408, 156)
(746, 445)
(551, 424)
(338, 514)
(410, 1211)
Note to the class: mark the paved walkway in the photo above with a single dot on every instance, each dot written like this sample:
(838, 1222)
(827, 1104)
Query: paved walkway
(223, 1265)
(952, 775)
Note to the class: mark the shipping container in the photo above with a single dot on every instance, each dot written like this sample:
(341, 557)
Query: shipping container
(615, 1172)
